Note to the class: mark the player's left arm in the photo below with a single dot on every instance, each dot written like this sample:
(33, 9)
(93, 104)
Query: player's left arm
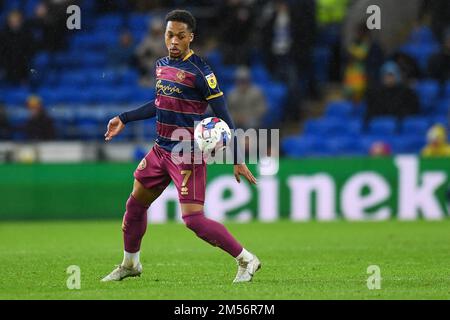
(207, 84)
(219, 107)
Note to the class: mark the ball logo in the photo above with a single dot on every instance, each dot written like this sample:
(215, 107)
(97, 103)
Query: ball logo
(142, 165)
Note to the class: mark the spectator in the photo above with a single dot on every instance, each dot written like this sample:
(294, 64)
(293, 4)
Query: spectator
(246, 101)
(363, 61)
(393, 97)
(410, 71)
(40, 125)
(49, 24)
(281, 43)
(121, 56)
(149, 50)
(437, 143)
(439, 64)
(5, 127)
(237, 21)
(17, 48)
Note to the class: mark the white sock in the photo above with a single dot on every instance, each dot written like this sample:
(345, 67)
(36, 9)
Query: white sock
(244, 255)
(130, 259)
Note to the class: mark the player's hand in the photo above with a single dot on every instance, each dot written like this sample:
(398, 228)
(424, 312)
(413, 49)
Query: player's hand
(115, 126)
(241, 169)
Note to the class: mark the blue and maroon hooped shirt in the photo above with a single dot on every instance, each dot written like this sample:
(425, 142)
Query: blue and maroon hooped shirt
(183, 88)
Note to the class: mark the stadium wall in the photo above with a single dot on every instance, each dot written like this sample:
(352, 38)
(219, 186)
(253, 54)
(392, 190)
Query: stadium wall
(325, 189)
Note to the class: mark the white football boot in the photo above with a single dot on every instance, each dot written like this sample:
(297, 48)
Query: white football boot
(122, 272)
(246, 269)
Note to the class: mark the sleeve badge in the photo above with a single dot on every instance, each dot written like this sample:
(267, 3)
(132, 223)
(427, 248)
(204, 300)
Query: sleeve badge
(212, 81)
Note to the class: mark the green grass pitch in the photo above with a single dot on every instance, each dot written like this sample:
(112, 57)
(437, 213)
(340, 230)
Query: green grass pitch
(299, 261)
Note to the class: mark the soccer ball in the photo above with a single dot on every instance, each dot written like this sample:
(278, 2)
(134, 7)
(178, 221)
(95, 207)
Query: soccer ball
(212, 134)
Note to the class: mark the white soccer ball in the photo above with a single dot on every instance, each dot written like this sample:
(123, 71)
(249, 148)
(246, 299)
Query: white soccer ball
(212, 134)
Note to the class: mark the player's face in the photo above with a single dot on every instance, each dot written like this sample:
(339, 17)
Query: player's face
(178, 38)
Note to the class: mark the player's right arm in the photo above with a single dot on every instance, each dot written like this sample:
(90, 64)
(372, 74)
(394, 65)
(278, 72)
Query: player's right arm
(117, 124)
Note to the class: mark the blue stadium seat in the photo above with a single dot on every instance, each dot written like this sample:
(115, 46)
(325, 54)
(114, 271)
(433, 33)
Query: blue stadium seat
(447, 89)
(16, 96)
(296, 146)
(353, 127)
(427, 91)
(420, 52)
(214, 58)
(443, 120)
(91, 60)
(325, 127)
(408, 144)
(139, 22)
(41, 61)
(109, 22)
(344, 146)
(443, 107)
(383, 126)
(339, 109)
(415, 125)
(260, 75)
(422, 35)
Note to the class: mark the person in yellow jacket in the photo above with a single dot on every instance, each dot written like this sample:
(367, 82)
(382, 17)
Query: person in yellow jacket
(437, 143)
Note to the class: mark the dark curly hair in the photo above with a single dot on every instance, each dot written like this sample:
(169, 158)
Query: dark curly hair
(182, 16)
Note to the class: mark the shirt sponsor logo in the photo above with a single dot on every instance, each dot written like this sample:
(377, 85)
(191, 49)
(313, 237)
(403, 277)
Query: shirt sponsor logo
(167, 89)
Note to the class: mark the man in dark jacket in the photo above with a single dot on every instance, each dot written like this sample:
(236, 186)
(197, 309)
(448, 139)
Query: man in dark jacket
(16, 49)
(40, 126)
(393, 97)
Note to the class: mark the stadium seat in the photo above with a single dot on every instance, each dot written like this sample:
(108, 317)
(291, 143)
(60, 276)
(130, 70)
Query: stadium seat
(415, 125)
(420, 52)
(16, 96)
(422, 35)
(344, 146)
(109, 22)
(305, 145)
(447, 89)
(383, 126)
(139, 22)
(427, 91)
(408, 144)
(339, 109)
(353, 127)
(443, 107)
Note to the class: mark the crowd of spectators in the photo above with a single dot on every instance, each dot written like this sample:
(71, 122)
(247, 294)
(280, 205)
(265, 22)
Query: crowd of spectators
(280, 34)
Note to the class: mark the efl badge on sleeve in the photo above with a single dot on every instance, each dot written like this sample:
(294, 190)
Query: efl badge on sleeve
(212, 81)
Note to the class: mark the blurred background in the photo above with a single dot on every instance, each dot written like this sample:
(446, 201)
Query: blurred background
(338, 92)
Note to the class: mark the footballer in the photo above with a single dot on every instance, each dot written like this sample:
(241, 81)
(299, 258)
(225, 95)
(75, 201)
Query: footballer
(185, 85)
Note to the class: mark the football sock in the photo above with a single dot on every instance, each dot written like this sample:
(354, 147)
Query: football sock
(244, 255)
(134, 225)
(130, 260)
(212, 232)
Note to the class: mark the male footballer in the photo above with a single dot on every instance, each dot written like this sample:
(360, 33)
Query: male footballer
(185, 85)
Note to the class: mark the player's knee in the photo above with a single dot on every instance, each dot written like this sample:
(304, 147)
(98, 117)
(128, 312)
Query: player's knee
(194, 221)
